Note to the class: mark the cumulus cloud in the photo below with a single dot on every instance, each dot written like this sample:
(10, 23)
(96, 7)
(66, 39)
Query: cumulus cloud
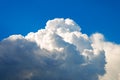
(112, 54)
(59, 52)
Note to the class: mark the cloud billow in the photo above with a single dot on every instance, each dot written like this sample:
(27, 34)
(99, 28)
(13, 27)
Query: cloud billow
(58, 52)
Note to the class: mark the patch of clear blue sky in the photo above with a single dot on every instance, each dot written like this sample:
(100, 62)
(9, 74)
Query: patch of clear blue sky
(24, 16)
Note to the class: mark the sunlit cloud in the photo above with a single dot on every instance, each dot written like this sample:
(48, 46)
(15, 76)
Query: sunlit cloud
(59, 52)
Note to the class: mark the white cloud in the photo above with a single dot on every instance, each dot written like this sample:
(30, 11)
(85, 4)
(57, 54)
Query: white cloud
(112, 54)
(58, 52)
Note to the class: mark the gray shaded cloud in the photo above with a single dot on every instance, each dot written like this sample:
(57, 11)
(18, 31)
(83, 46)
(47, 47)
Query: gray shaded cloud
(58, 52)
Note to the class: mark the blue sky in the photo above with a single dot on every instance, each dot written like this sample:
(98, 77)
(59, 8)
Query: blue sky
(24, 16)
